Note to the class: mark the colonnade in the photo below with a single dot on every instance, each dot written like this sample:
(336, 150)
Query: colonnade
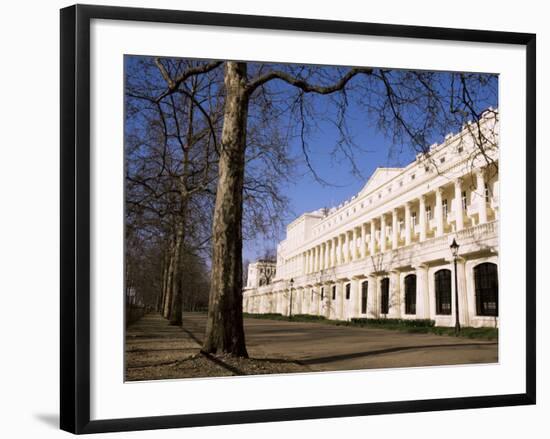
(371, 237)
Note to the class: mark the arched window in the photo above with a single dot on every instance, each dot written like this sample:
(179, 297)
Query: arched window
(410, 294)
(364, 296)
(385, 295)
(443, 292)
(486, 280)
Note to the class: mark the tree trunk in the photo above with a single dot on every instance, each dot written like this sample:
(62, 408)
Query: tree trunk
(224, 330)
(165, 259)
(169, 275)
(175, 286)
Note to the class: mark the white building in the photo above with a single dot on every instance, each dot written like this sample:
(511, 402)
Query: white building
(385, 252)
(260, 273)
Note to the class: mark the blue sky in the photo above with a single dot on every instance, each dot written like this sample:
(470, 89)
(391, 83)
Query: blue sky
(307, 194)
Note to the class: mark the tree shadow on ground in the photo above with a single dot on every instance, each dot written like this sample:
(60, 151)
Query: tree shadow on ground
(333, 358)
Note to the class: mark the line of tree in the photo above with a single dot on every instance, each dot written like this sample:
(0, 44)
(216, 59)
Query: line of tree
(208, 148)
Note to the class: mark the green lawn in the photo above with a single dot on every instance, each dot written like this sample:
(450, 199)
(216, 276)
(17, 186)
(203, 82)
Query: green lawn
(411, 326)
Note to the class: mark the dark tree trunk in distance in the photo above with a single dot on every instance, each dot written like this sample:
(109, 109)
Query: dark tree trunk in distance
(175, 285)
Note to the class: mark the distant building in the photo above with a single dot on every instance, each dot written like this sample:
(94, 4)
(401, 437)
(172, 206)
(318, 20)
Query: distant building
(261, 273)
(385, 252)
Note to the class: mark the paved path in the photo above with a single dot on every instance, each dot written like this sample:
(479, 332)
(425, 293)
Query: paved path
(323, 346)
(318, 346)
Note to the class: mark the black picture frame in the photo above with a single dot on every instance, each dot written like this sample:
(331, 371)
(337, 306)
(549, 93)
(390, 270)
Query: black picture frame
(75, 218)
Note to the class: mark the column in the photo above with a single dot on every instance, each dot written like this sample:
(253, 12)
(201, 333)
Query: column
(395, 236)
(439, 211)
(346, 247)
(356, 298)
(482, 205)
(315, 258)
(333, 252)
(299, 295)
(422, 213)
(330, 303)
(363, 240)
(355, 249)
(372, 297)
(339, 250)
(395, 295)
(422, 293)
(304, 262)
(407, 223)
(372, 237)
(341, 300)
(327, 255)
(458, 208)
(464, 308)
(383, 233)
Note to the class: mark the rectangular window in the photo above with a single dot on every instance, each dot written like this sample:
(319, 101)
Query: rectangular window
(385, 295)
(443, 292)
(428, 213)
(486, 194)
(464, 200)
(445, 208)
(348, 291)
(410, 294)
(364, 296)
(322, 293)
(413, 219)
(460, 149)
(442, 160)
(334, 292)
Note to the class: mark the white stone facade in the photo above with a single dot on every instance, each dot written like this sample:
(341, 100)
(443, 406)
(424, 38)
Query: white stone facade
(385, 252)
(260, 273)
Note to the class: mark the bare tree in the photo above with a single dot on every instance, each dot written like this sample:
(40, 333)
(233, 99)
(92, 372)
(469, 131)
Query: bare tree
(412, 108)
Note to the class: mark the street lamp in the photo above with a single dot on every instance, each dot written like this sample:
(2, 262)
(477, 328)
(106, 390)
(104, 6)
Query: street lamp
(290, 307)
(454, 251)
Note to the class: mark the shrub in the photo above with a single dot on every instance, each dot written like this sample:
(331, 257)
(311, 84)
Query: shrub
(416, 323)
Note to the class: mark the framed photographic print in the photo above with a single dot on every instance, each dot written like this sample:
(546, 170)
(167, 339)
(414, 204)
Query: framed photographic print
(292, 219)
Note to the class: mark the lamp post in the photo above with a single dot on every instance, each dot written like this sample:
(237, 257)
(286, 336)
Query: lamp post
(290, 307)
(454, 250)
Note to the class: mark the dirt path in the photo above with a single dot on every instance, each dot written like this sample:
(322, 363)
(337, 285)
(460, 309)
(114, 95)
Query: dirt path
(155, 350)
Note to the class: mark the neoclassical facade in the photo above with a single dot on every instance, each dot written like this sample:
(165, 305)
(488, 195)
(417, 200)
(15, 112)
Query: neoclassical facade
(386, 251)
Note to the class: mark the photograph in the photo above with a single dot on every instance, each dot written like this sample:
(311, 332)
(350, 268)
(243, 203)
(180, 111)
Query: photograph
(285, 218)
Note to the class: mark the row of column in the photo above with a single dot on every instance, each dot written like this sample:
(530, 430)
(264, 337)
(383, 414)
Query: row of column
(343, 248)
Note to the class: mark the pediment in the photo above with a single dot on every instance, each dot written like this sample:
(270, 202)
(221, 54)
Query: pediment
(379, 178)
